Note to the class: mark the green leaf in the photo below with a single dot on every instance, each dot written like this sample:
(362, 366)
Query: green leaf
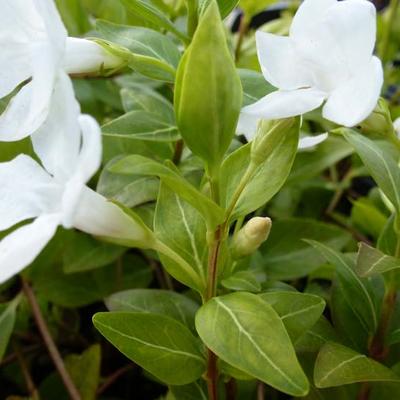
(264, 180)
(257, 344)
(208, 97)
(254, 86)
(145, 99)
(156, 301)
(225, 6)
(338, 365)
(371, 261)
(129, 190)
(7, 321)
(141, 125)
(84, 370)
(316, 337)
(83, 253)
(381, 163)
(242, 280)
(159, 344)
(298, 311)
(138, 165)
(151, 14)
(188, 238)
(358, 292)
(148, 52)
(193, 391)
(311, 163)
(287, 256)
(253, 7)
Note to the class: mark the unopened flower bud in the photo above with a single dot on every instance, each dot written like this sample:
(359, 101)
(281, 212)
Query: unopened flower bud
(269, 134)
(251, 236)
(396, 125)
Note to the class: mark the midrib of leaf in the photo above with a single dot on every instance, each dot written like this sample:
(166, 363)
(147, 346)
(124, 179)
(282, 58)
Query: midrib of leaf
(155, 346)
(256, 346)
(298, 312)
(340, 365)
(191, 237)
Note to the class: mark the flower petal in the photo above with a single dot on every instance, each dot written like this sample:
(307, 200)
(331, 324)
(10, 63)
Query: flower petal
(308, 14)
(247, 125)
(353, 25)
(21, 247)
(307, 142)
(352, 102)
(91, 150)
(284, 104)
(26, 191)
(83, 56)
(57, 142)
(280, 63)
(98, 216)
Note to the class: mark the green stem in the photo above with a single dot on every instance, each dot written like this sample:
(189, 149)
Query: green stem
(243, 28)
(388, 28)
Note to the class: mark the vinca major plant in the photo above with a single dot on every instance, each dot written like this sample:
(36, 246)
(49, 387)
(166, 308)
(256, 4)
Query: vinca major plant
(199, 199)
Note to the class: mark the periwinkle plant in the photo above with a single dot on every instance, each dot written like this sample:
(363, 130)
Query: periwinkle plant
(181, 191)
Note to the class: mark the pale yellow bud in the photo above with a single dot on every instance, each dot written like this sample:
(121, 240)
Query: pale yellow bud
(251, 236)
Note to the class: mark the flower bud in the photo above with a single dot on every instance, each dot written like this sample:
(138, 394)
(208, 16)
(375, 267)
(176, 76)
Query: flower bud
(251, 236)
(396, 125)
(269, 134)
(379, 122)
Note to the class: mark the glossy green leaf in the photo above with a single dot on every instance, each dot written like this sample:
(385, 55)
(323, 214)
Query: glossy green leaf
(253, 7)
(84, 370)
(141, 125)
(371, 261)
(188, 238)
(381, 163)
(159, 344)
(208, 98)
(83, 253)
(151, 14)
(320, 333)
(193, 391)
(298, 311)
(242, 280)
(146, 51)
(156, 301)
(7, 321)
(287, 256)
(338, 365)
(254, 86)
(138, 165)
(257, 344)
(357, 291)
(264, 180)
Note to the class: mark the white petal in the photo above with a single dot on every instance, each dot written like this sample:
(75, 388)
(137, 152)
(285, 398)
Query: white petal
(83, 56)
(22, 246)
(351, 103)
(91, 150)
(29, 108)
(247, 125)
(280, 63)
(309, 13)
(311, 141)
(57, 142)
(353, 25)
(56, 32)
(14, 67)
(396, 125)
(26, 191)
(284, 104)
(98, 216)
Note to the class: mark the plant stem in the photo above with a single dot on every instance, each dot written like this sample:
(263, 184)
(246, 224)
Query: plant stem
(243, 27)
(49, 342)
(260, 391)
(388, 28)
(231, 389)
(212, 375)
(110, 380)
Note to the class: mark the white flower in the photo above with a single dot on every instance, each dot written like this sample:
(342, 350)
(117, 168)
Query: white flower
(35, 50)
(396, 125)
(55, 193)
(328, 56)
